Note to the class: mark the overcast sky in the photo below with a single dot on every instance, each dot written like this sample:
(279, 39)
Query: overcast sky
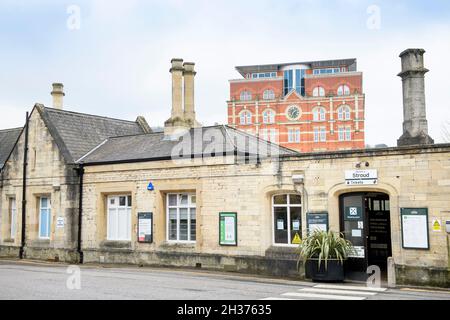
(117, 63)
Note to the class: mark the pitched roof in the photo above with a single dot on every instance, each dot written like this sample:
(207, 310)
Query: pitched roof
(8, 139)
(206, 141)
(77, 133)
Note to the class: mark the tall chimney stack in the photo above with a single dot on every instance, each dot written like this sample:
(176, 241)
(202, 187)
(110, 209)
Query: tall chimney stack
(177, 88)
(415, 125)
(189, 94)
(58, 95)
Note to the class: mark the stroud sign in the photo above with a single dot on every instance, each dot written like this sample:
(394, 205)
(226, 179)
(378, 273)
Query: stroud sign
(361, 177)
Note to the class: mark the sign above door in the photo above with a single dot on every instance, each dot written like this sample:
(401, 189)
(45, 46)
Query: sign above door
(361, 177)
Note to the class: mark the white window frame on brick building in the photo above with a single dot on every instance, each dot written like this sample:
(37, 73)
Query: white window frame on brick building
(13, 217)
(269, 94)
(343, 90)
(270, 135)
(268, 116)
(119, 218)
(45, 217)
(319, 92)
(345, 133)
(246, 96)
(245, 118)
(178, 206)
(294, 135)
(320, 134)
(288, 225)
(319, 114)
(344, 113)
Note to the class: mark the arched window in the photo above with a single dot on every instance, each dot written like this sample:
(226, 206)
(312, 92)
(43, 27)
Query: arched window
(319, 114)
(287, 214)
(319, 92)
(343, 90)
(246, 96)
(344, 113)
(269, 116)
(246, 118)
(269, 95)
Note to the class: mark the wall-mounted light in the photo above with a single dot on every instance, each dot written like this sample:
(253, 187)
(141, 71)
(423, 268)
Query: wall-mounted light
(150, 187)
(298, 179)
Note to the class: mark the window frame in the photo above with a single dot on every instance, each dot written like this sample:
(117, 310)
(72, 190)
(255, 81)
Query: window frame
(319, 92)
(343, 90)
(117, 207)
(49, 217)
(294, 135)
(247, 116)
(13, 217)
(178, 206)
(269, 94)
(268, 116)
(245, 95)
(319, 114)
(344, 113)
(288, 206)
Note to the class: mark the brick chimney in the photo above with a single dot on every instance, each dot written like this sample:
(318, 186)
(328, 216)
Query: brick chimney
(58, 95)
(415, 125)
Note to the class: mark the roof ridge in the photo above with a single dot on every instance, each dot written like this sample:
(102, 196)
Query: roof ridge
(88, 115)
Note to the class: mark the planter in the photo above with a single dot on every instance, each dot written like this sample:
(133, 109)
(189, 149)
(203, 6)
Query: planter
(333, 273)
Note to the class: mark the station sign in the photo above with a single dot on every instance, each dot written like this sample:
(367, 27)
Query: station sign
(361, 177)
(145, 227)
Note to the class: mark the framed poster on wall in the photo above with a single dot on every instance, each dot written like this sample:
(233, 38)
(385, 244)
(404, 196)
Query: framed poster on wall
(317, 221)
(415, 234)
(145, 227)
(228, 229)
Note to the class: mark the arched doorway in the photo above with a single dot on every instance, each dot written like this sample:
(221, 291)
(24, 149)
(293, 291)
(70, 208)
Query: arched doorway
(365, 221)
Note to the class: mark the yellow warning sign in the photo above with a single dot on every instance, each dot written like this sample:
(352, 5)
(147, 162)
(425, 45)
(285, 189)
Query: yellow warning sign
(297, 239)
(436, 225)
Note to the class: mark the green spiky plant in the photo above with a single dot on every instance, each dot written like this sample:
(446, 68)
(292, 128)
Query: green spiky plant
(325, 246)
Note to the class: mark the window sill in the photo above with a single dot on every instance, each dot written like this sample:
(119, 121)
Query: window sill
(111, 244)
(9, 241)
(178, 245)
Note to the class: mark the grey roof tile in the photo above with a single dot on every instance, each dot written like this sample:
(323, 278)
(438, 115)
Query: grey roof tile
(8, 139)
(206, 141)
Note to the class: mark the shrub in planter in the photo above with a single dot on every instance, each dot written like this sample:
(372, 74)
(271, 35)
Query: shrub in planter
(324, 254)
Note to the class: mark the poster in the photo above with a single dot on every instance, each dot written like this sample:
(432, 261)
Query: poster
(358, 253)
(317, 221)
(415, 228)
(228, 229)
(60, 222)
(145, 227)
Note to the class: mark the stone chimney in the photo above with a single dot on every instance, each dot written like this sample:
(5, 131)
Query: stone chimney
(58, 95)
(415, 125)
(183, 117)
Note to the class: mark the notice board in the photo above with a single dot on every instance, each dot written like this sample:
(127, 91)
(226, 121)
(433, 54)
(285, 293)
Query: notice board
(415, 233)
(145, 227)
(317, 221)
(228, 229)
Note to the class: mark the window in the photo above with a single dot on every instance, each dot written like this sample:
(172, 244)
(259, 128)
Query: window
(269, 117)
(119, 218)
(264, 75)
(345, 133)
(269, 95)
(13, 215)
(293, 135)
(319, 92)
(287, 214)
(181, 217)
(319, 114)
(44, 217)
(344, 113)
(246, 118)
(320, 134)
(246, 96)
(327, 71)
(343, 90)
(270, 135)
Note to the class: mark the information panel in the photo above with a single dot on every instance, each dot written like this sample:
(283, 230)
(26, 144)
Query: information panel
(145, 227)
(317, 221)
(415, 228)
(228, 229)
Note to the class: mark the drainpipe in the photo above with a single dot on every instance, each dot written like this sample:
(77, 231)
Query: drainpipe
(80, 212)
(24, 191)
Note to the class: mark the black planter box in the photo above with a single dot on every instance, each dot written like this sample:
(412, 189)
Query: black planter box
(333, 273)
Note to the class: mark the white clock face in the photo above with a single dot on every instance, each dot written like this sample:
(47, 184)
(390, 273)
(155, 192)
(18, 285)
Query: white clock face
(293, 113)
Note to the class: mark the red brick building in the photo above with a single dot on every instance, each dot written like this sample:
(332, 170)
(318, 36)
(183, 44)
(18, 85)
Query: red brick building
(308, 106)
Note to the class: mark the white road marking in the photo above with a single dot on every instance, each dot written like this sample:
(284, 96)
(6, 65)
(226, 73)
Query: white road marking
(342, 292)
(322, 296)
(344, 287)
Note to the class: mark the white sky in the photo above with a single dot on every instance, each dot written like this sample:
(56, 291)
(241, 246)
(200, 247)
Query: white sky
(118, 63)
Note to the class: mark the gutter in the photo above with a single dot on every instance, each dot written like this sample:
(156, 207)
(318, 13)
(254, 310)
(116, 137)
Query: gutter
(24, 191)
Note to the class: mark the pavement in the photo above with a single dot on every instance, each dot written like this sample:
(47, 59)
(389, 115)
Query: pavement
(29, 280)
